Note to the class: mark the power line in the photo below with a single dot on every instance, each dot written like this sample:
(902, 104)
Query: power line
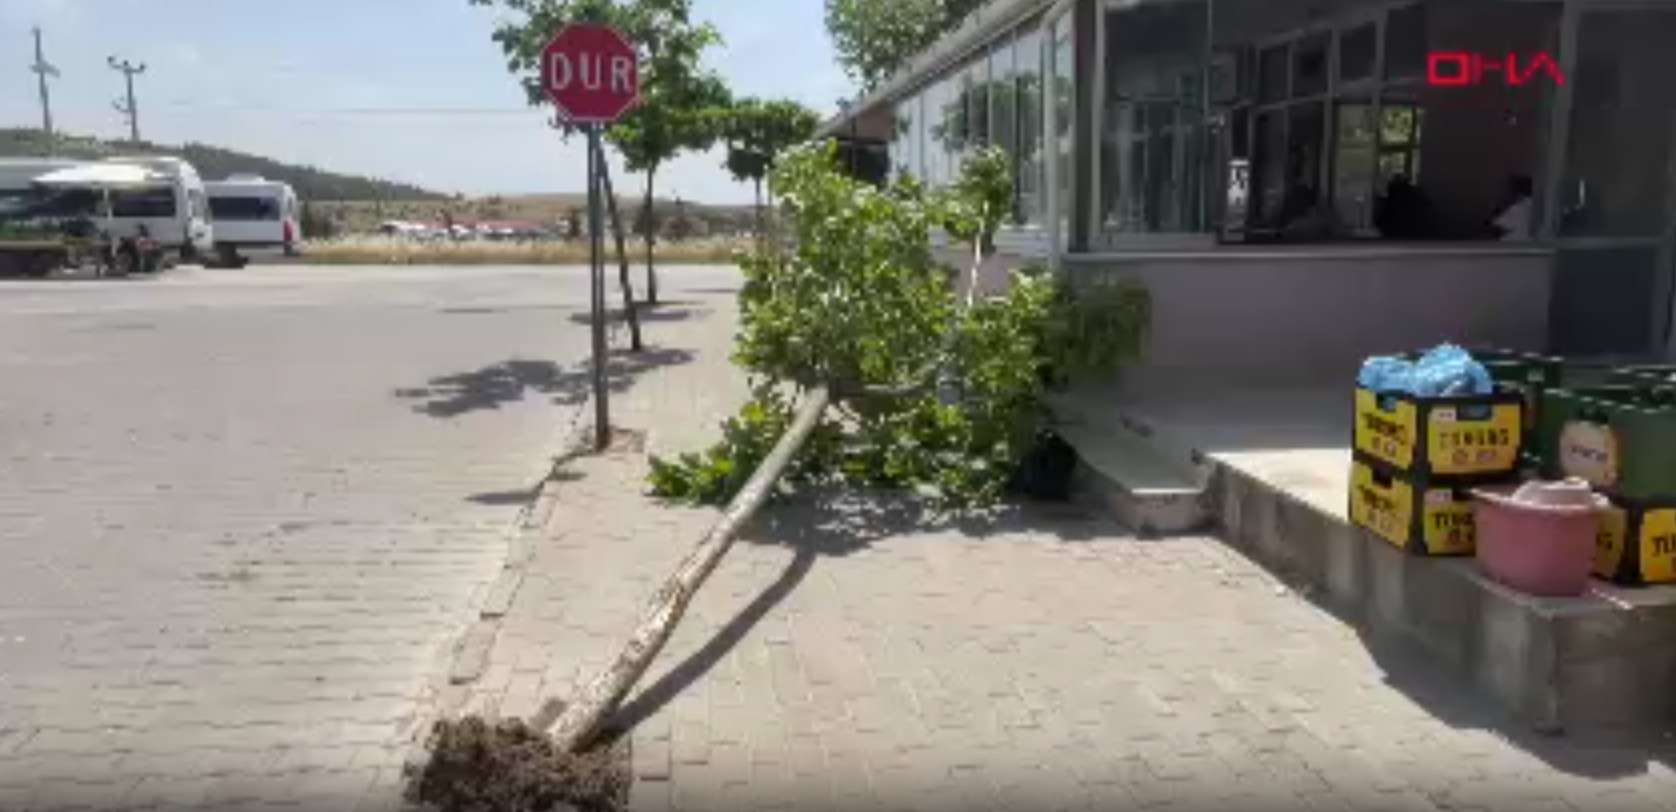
(351, 112)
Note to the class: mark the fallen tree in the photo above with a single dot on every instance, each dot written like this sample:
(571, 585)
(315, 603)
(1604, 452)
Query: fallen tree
(871, 367)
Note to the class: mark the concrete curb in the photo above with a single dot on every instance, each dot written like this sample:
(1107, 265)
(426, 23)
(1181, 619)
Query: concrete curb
(463, 661)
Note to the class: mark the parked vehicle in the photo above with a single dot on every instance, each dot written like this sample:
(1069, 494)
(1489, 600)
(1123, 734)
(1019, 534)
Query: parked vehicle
(64, 220)
(254, 216)
(176, 214)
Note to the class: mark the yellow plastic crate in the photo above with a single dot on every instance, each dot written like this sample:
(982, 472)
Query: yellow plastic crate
(1472, 436)
(1411, 513)
(1637, 543)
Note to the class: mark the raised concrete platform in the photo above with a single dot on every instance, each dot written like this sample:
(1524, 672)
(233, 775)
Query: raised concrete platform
(1278, 464)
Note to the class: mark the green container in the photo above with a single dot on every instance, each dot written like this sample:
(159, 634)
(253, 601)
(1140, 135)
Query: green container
(1645, 375)
(1622, 439)
(1531, 376)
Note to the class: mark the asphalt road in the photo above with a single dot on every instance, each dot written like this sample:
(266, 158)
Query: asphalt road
(243, 516)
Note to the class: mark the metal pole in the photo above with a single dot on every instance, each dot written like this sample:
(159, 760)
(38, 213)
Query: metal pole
(596, 273)
(131, 108)
(133, 112)
(43, 70)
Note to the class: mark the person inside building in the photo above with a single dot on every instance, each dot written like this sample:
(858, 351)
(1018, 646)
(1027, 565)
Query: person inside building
(1513, 224)
(1401, 213)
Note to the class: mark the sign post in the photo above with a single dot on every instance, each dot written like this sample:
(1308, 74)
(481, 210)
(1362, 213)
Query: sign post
(591, 74)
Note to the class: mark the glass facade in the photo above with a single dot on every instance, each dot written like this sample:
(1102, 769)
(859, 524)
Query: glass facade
(1274, 120)
(1302, 121)
(991, 99)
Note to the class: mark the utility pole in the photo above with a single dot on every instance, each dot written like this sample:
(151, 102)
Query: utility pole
(130, 108)
(43, 71)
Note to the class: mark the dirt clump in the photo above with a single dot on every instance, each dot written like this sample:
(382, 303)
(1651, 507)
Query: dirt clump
(476, 765)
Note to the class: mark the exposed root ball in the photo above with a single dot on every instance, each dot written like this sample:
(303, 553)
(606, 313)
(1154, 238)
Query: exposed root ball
(476, 766)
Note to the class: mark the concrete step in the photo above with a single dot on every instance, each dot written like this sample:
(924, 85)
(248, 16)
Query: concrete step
(1138, 487)
(1102, 409)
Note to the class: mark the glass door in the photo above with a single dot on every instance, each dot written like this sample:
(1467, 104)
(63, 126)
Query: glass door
(1060, 116)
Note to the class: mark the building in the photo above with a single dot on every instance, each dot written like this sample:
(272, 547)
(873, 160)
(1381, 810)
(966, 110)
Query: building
(1302, 183)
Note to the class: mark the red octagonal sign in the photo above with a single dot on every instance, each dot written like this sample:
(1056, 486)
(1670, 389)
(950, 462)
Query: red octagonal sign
(591, 74)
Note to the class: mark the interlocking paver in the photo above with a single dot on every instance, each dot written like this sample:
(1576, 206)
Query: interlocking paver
(853, 654)
(242, 515)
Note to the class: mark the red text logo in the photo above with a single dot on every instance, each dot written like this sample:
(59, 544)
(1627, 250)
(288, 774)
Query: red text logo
(1467, 69)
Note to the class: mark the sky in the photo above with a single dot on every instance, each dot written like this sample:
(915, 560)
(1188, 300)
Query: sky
(410, 90)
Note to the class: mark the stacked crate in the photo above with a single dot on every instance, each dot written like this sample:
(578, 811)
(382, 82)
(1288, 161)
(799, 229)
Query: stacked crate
(1621, 439)
(1531, 376)
(1416, 460)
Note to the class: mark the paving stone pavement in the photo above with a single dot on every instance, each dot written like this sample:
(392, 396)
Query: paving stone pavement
(852, 653)
(243, 516)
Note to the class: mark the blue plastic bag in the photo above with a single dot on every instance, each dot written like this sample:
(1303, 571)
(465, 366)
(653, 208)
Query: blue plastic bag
(1445, 371)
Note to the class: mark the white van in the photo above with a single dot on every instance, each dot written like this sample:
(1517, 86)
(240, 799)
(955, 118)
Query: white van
(177, 215)
(254, 216)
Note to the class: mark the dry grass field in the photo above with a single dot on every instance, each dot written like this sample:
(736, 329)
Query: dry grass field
(392, 251)
(363, 217)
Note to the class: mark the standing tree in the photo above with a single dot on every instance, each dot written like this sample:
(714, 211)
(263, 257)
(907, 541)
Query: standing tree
(521, 40)
(682, 104)
(757, 133)
(679, 97)
(573, 224)
(876, 38)
(680, 225)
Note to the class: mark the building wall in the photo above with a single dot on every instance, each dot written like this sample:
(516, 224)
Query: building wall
(1319, 314)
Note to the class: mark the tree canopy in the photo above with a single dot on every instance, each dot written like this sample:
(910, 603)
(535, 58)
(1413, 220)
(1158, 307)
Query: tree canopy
(682, 103)
(758, 132)
(876, 38)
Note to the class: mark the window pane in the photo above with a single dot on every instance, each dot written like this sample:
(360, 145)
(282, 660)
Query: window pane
(244, 208)
(144, 203)
(1002, 95)
(1309, 65)
(1063, 99)
(1358, 48)
(1272, 70)
(1402, 123)
(1027, 59)
(1405, 43)
(1353, 164)
(1622, 126)
(1270, 166)
(1152, 164)
(977, 105)
(916, 136)
(937, 134)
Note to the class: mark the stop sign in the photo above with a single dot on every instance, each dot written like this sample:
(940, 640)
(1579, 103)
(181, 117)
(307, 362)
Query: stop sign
(591, 74)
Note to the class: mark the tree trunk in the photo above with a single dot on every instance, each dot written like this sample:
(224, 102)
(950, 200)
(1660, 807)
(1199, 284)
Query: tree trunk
(623, 280)
(759, 224)
(651, 238)
(583, 719)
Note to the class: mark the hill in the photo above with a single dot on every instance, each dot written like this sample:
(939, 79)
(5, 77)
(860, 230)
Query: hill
(214, 163)
(355, 204)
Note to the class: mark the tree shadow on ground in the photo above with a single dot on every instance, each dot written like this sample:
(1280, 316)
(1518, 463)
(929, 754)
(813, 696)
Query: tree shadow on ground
(841, 523)
(660, 315)
(497, 385)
